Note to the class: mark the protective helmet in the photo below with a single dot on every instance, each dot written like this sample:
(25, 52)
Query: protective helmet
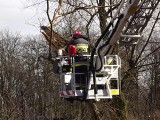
(77, 32)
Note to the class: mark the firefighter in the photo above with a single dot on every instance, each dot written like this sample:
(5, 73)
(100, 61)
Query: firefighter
(80, 42)
(79, 46)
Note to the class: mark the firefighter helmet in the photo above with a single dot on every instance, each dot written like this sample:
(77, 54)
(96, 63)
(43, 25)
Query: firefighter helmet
(77, 32)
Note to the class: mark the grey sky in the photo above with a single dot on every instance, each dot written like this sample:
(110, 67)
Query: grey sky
(14, 17)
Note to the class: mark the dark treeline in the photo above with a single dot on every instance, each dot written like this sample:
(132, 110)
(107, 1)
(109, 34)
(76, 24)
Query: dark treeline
(29, 90)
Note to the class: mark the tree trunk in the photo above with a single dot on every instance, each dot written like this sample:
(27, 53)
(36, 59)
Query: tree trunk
(102, 15)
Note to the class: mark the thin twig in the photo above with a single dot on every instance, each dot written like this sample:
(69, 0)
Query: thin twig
(147, 39)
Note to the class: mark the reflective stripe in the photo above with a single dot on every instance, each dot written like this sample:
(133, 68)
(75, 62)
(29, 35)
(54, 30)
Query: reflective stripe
(80, 64)
(114, 91)
(82, 48)
(109, 61)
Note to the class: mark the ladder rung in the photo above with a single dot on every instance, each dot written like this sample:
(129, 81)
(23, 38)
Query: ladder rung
(130, 36)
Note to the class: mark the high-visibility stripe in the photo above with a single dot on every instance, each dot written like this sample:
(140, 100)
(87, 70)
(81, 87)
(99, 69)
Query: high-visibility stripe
(80, 64)
(82, 48)
(70, 93)
(114, 91)
(109, 61)
(67, 93)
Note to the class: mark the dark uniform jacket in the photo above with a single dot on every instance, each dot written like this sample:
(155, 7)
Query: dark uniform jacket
(81, 44)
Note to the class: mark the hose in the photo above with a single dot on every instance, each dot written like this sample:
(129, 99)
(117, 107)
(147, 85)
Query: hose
(107, 43)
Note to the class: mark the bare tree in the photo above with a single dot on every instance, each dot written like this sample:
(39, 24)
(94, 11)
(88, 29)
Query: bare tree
(28, 84)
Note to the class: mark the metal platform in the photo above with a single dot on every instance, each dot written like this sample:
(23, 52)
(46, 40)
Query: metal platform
(80, 84)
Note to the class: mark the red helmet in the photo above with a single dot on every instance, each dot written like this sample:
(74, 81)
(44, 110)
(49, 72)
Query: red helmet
(77, 32)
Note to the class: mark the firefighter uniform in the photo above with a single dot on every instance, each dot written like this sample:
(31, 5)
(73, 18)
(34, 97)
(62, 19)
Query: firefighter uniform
(82, 48)
(81, 45)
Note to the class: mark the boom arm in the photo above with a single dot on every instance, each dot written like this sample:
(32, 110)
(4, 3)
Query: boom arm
(124, 19)
(129, 10)
(130, 24)
(111, 39)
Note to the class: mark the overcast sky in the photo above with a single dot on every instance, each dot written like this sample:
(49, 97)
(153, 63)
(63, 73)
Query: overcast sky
(14, 17)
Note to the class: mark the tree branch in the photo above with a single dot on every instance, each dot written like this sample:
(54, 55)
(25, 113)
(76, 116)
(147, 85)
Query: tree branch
(50, 39)
(149, 54)
(147, 39)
